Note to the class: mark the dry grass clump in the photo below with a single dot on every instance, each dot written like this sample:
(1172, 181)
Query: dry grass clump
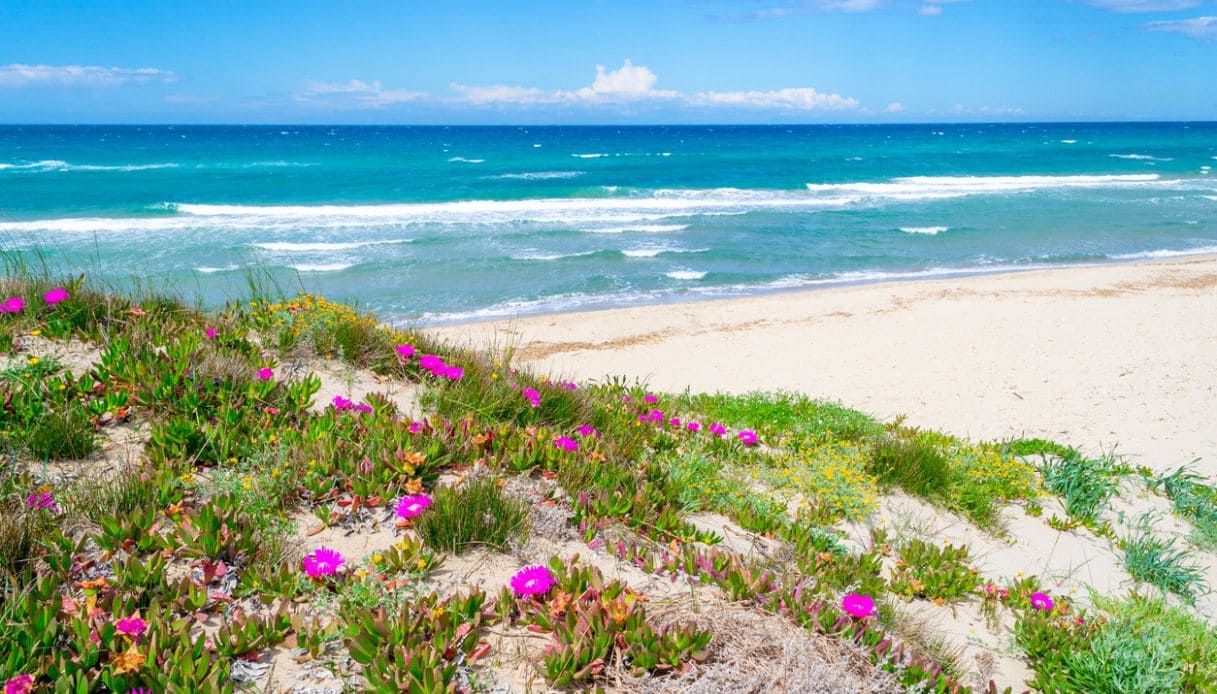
(752, 653)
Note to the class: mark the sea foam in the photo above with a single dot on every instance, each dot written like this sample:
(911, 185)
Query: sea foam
(930, 231)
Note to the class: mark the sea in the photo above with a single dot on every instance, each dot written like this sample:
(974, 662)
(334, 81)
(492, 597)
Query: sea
(430, 225)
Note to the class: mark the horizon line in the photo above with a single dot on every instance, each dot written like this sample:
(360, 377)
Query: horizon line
(1111, 121)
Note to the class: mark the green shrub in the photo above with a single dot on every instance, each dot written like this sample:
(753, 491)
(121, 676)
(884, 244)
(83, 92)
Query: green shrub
(1125, 660)
(914, 465)
(1158, 562)
(1041, 447)
(476, 513)
(1084, 485)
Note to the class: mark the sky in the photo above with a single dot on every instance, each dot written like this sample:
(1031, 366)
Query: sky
(602, 61)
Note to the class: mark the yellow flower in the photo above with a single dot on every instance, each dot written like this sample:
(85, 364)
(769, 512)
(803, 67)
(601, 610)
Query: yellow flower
(33, 361)
(35, 332)
(376, 558)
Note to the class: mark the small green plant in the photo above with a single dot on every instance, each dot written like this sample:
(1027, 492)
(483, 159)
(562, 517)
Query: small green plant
(1084, 485)
(935, 573)
(475, 513)
(1040, 447)
(913, 464)
(1124, 659)
(1158, 562)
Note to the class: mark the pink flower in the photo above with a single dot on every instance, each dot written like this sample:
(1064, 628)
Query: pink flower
(747, 437)
(533, 580)
(454, 373)
(132, 626)
(270, 410)
(626, 398)
(21, 684)
(588, 430)
(405, 351)
(362, 407)
(650, 399)
(675, 421)
(411, 505)
(341, 403)
(14, 304)
(566, 443)
(567, 385)
(265, 374)
(430, 362)
(858, 605)
(1041, 602)
(211, 333)
(323, 562)
(55, 296)
(415, 427)
(718, 429)
(532, 396)
(693, 426)
(41, 501)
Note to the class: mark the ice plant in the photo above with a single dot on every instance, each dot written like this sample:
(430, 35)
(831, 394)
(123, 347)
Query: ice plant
(1041, 601)
(718, 429)
(265, 373)
(650, 399)
(532, 580)
(341, 403)
(858, 605)
(566, 443)
(588, 430)
(131, 626)
(13, 304)
(453, 373)
(675, 421)
(323, 562)
(21, 684)
(747, 437)
(405, 351)
(693, 427)
(415, 427)
(532, 396)
(430, 362)
(55, 296)
(411, 505)
(41, 500)
(211, 333)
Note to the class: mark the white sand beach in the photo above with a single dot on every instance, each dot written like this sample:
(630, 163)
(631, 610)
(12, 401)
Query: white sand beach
(1110, 355)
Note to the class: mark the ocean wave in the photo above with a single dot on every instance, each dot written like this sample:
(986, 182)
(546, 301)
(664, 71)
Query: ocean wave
(685, 274)
(929, 231)
(58, 165)
(645, 228)
(293, 247)
(594, 155)
(463, 160)
(212, 270)
(1165, 253)
(320, 267)
(1140, 157)
(654, 252)
(941, 187)
(537, 175)
(554, 256)
(599, 155)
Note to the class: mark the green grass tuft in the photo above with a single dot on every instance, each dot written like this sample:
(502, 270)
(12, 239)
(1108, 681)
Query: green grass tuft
(475, 514)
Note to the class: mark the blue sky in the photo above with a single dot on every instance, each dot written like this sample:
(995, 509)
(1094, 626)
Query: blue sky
(593, 61)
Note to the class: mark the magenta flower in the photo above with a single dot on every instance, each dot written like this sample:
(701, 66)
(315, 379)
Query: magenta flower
(265, 373)
(588, 430)
(567, 385)
(341, 403)
(675, 421)
(323, 562)
(655, 416)
(42, 501)
(131, 626)
(14, 304)
(532, 396)
(430, 362)
(566, 443)
(718, 429)
(650, 399)
(411, 505)
(211, 333)
(405, 351)
(747, 437)
(415, 427)
(55, 296)
(858, 605)
(693, 426)
(1041, 601)
(21, 684)
(533, 580)
(453, 373)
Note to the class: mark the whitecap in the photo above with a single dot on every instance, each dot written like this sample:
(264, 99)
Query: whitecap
(644, 228)
(1069, 142)
(320, 267)
(549, 256)
(293, 247)
(589, 156)
(539, 175)
(685, 274)
(930, 231)
(463, 160)
(1140, 157)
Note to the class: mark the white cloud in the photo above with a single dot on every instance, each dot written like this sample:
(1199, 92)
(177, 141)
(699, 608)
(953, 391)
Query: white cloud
(1198, 27)
(848, 5)
(894, 107)
(626, 84)
(930, 10)
(987, 110)
(1144, 5)
(790, 98)
(20, 75)
(355, 94)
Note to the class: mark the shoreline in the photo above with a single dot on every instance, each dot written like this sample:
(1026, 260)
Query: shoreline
(1092, 355)
(829, 284)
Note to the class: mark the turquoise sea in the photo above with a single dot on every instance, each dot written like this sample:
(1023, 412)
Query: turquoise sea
(436, 224)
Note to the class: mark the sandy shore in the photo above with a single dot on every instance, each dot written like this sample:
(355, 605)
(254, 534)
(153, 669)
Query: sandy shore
(1093, 356)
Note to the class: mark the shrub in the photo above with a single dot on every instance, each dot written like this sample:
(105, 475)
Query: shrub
(1126, 660)
(474, 513)
(912, 464)
(1159, 563)
(1084, 485)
